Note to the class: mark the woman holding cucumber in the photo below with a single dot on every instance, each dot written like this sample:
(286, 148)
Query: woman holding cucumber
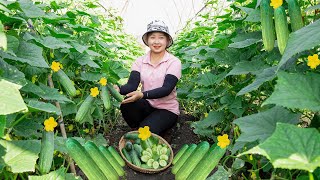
(158, 71)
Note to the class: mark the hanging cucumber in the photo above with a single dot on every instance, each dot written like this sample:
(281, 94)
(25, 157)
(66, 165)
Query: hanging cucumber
(66, 83)
(281, 25)
(84, 108)
(115, 93)
(105, 96)
(267, 25)
(295, 15)
(46, 152)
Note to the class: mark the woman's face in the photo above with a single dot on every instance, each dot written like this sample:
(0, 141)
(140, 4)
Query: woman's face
(157, 42)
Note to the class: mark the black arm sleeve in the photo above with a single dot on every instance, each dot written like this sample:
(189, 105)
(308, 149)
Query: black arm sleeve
(132, 84)
(170, 81)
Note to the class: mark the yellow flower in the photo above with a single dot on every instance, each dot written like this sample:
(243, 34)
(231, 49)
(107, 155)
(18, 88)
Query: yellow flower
(223, 141)
(55, 66)
(103, 81)
(144, 133)
(276, 3)
(50, 124)
(94, 92)
(313, 61)
(86, 130)
(61, 66)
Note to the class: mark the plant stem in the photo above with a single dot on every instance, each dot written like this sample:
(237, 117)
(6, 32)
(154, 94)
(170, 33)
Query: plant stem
(61, 124)
(311, 176)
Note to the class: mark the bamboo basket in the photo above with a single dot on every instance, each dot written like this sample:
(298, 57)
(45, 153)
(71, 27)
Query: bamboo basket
(142, 170)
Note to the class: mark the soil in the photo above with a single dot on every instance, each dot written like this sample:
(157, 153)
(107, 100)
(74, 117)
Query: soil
(181, 134)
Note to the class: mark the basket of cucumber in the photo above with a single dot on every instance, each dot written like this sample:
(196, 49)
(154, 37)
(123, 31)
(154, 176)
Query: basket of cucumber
(147, 156)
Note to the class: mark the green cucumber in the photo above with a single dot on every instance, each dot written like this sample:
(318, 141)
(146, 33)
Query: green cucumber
(105, 97)
(183, 158)
(84, 108)
(83, 160)
(295, 15)
(192, 161)
(131, 136)
(116, 155)
(46, 152)
(128, 146)
(154, 140)
(267, 25)
(139, 149)
(146, 144)
(126, 155)
(66, 83)
(134, 157)
(145, 166)
(180, 153)
(100, 160)
(281, 25)
(207, 163)
(112, 160)
(115, 93)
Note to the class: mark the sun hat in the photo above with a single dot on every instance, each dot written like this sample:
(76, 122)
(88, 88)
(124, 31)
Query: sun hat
(157, 26)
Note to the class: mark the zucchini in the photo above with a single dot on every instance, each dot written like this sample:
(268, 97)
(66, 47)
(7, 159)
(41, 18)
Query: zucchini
(183, 158)
(131, 136)
(83, 160)
(115, 93)
(105, 96)
(112, 160)
(126, 155)
(193, 160)
(180, 153)
(84, 108)
(267, 25)
(116, 155)
(295, 15)
(281, 25)
(134, 157)
(207, 163)
(101, 161)
(66, 83)
(46, 152)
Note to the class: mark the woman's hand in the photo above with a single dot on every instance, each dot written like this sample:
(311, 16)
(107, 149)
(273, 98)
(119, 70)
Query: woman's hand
(116, 88)
(132, 97)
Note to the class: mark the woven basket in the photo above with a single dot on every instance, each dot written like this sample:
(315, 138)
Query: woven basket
(137, 168)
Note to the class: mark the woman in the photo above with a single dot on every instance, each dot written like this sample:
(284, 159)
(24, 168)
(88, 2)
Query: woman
(158, 71)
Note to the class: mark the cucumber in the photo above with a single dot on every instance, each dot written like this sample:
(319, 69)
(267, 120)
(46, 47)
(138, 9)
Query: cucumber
(267, 25)
(154, 140)
(183, 158)
(105, 97)
(155, 165)
(139, 149)
(150, 162)
(192, 161)
(207, 163)
(134, 157)
(84, 108)
(126, 155)
(281, 25)
(137, 141)
(112, 160)
(66, 83)
(180, 153)
(128, 146)
(145, 144)
(117, 156)
(131, 136)
(163, 163)
(115, 93)
(101, 161)
(83, 160)
(295, 15)
(145, 166)
(46, 152)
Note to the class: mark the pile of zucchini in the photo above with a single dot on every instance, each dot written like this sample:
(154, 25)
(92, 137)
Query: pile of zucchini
(280, 24)
(96, 162)
(146, 154)
(196, 161)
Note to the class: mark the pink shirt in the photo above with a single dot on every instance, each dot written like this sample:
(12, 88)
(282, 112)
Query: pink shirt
(152, 77)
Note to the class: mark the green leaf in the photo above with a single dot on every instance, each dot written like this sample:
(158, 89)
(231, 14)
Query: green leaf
(29, 128)
(100, 140)
(68, 108)
(21, 156)
(2, 153)
(260, 126)
(296, 91)
(266, 75)
(245, 43)
(238, 163)
(3, 122)
(10, 98)
(291, 147)
(59, 174)
(30, 9)
(220, 174)
(54, 43)
(11, 73)
(79, 47)
(311, 8)
(227, 56)
(254, 16)
(246, 67)
(83, 59)
(303, 39)
(90, 76)
(13, 44)
(214, 117)
(29, 53)
(42, 106)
